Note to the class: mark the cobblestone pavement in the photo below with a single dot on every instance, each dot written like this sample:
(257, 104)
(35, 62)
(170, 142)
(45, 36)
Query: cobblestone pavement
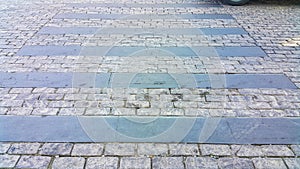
(156, 24)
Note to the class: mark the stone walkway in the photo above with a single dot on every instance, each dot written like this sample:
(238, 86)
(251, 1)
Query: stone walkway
(149, 84)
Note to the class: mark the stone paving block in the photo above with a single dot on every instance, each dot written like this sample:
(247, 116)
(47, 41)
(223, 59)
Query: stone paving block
(153, 81)
(8, 161)
(45, 111)
(67, 30)
(223, 31)
(120, 149)
(292, 163)
(228, 130)
(102, 162)
(34, 79)
(49, 50)
(184, 149)
(68, 162)
(4, 147)
(250, 150)
(277, 150)
(201, 162)
(71, 111)
(269, 163)
(135, 162)
(172, 112)
(87, 149)
(33, 162)
(148, 111)
(241, 51)
(168, 162)
(11, 103)
(232, 81)
(3, 111)
(56, 149)
(217, 150)
(123, 111)
(266, 81)
(24, 148)
(152, 149)
(142, 80)
(296, 149)
(235, 163)
(97, 111)
(19, 111)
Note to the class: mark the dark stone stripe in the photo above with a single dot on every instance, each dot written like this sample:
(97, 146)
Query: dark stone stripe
(223, 31)
(68, 30)
(241, 81)
(140, 16)
(52, 129)
(49, 50)
(240, 51)
(144, 80)
(150, 129)
(141, 31)
(194, 51)
(135, 5)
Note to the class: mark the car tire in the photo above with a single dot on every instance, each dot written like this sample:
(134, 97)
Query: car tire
(235, 2)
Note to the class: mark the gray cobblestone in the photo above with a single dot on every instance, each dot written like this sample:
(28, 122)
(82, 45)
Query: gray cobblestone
(152, 149)
(264, 150)
(268, 163)
(292, 163)
(45, 111)
(4, 147)
(296, 149)
(218, 150)
(102, 162)
(19, 111)
(24, 148)
(8, 161)
(87, 149)
(56, 149)
(33, 162)
(168, 162)
(68, 162)
(235, 163)
(120, 149)
(201, 162)
(184, 149)
(97, 111)
(135, 162)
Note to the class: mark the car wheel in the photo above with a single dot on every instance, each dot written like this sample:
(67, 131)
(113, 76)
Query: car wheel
(235, 2)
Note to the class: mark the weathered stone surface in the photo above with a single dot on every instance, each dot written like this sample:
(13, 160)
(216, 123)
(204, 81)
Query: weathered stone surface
(102, 162)
(201, 162)
(68, 162)
(135, 162)
(217, 150)
(24, 148)
(33, 162)
(56, 149)
(87, 149)
(262, 163)
(167, 162)
(8, 161)
(152, 149)
(120, 149)
(235, 163)
(184, 149)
